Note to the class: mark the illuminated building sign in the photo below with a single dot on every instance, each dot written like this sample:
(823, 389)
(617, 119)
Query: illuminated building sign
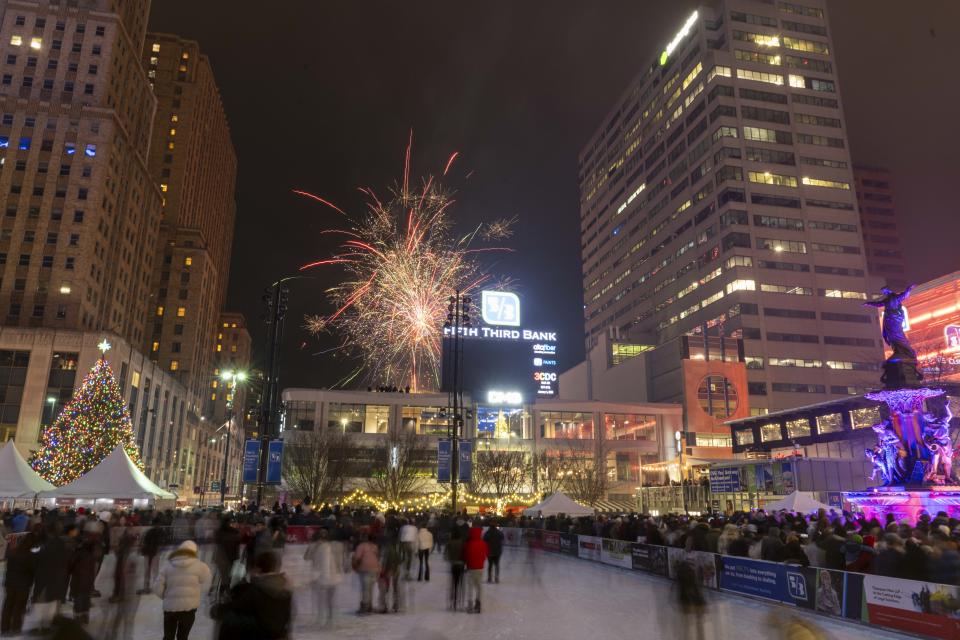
(502, 334)
(500, 308)
(678, 38)
(504, 397)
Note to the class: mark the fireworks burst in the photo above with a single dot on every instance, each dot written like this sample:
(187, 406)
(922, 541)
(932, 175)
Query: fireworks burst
(500, 229)
(402, 262)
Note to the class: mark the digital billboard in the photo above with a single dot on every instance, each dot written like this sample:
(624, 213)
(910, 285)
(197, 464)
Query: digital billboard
(499, 352)
(933, 327)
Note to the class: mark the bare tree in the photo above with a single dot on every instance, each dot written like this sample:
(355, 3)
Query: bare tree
(499, 472)
(588, 480)
(551, 471)
(316, 462)
(400, 466)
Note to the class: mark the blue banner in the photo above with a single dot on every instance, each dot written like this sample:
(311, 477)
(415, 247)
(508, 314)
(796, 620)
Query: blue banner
(466, 461)
(770, 580)
(725, 480)
(443, 460)
(274, 462)
(251, 460)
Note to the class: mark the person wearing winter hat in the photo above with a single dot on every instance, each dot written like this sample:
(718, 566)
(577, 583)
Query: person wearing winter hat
(181, 582)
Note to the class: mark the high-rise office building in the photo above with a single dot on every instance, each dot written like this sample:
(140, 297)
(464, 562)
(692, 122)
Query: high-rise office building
(717, 197)
(232, 352)
(81, 220)
(193, 160)
(80, 213)
(878, 220)
(227, 404)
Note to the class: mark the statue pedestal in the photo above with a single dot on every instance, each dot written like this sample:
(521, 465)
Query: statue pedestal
(906, 503)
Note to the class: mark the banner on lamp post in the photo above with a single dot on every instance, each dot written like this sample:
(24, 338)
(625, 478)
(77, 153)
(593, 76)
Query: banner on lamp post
(443, 460)
(465, 466)
(251, 460)
(274, 461)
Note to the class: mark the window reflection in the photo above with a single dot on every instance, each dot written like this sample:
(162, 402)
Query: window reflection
(572, 425)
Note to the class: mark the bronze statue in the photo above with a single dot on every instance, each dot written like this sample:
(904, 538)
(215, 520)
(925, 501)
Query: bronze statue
(901, 367)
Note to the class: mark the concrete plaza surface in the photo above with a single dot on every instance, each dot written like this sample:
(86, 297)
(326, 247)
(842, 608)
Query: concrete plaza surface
(540, 596)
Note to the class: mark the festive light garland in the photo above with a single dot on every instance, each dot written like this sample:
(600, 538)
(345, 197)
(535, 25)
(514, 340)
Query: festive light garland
(90, 426)
(433, 500)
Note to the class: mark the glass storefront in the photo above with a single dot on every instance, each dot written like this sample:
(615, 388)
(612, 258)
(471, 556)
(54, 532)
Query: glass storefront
(377, 419)
(623, 466)
(629, 426)
(425, 421)
(346, 417)
(502, 422)
(571, 425)
(299, 415)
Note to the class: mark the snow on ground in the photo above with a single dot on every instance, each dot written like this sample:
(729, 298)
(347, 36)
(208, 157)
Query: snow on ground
(540, 596)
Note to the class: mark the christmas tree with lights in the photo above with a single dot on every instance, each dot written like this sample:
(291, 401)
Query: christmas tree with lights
(90, 427)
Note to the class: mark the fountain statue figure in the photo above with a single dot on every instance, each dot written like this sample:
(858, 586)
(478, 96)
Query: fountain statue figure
(901, 367)
(888, 456)
(936, 435)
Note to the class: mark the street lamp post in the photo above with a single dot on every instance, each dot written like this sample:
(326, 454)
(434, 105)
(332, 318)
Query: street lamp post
(277, 300)
(231, 378)
(683, 495)
(52, 401)
(458, 317)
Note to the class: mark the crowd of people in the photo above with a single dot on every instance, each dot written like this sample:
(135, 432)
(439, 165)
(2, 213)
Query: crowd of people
(234, 560)
(928, 549)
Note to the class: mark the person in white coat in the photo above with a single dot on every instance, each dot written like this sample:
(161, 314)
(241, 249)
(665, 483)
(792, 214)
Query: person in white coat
(326, 558)
(410, 545)
(181, 582)
(425, 540)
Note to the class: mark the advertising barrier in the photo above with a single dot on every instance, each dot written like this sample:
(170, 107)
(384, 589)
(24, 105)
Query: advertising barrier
(589, 547)
(705, 563)
(568, 544)
(916, 607)
(616, 552)
(648, 557)
(551, 541)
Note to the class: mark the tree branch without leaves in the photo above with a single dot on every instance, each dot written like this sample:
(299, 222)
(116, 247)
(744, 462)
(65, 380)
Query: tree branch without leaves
(587, 480)
(550, 471)
(316, 462)
(500, 472)
(399, 466)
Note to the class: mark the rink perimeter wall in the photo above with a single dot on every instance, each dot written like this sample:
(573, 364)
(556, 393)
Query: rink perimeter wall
(920, 608)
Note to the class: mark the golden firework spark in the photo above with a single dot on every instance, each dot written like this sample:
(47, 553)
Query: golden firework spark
(402, 261)
(500, 229)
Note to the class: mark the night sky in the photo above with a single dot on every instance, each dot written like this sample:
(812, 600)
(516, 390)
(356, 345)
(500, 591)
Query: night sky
(322, 95)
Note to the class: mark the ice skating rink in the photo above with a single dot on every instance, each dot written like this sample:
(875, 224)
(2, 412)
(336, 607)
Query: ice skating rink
(540, 597)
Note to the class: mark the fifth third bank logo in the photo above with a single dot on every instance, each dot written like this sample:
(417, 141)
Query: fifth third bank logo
(797, 586)
(500, 308)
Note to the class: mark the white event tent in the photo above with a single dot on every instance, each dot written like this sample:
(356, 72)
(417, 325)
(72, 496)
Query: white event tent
(115, 478)
(17, 479)
(799, 501)
(556, 504)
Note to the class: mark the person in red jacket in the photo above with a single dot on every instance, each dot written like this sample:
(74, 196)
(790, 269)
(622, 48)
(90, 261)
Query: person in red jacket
(474, 555)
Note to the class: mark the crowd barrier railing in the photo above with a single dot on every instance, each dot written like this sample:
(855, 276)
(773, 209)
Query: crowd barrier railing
(920, 608)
